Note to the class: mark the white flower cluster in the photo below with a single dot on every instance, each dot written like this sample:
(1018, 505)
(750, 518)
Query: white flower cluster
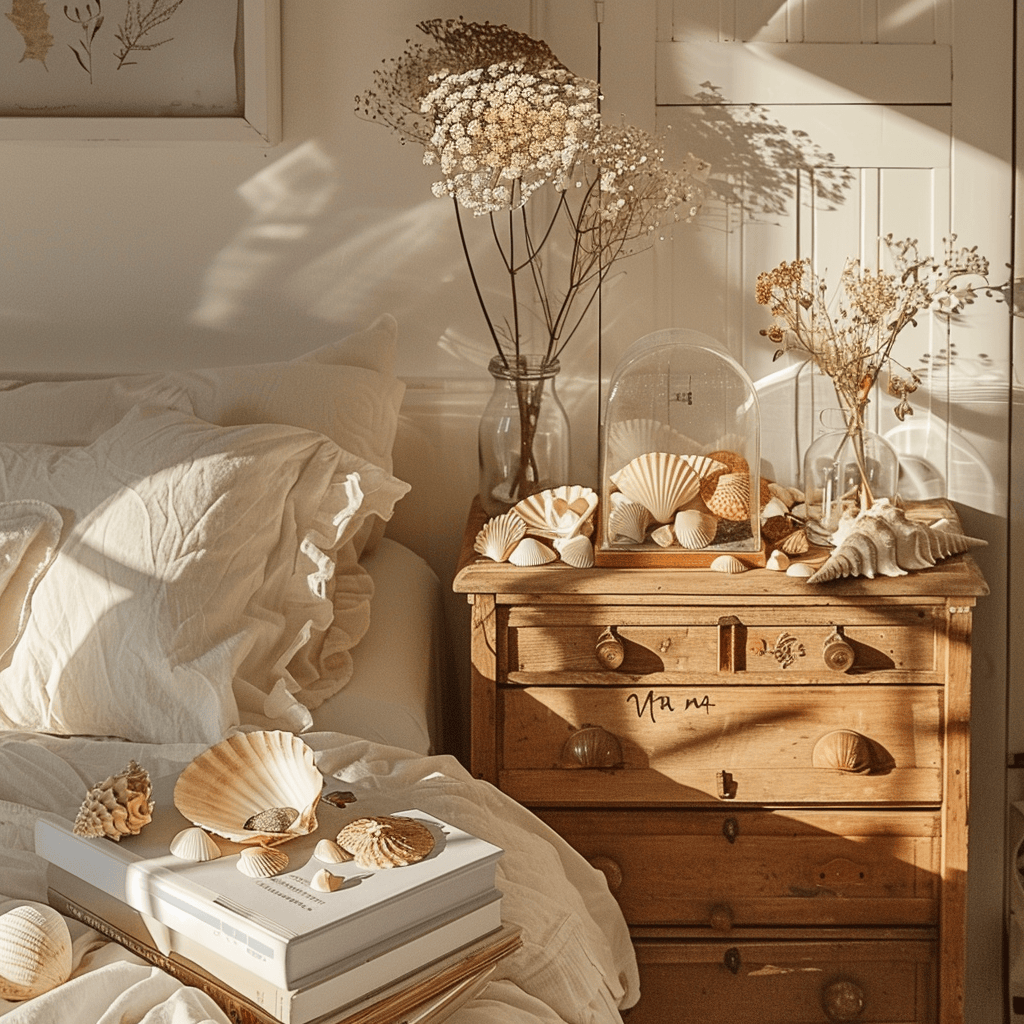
(500, 132)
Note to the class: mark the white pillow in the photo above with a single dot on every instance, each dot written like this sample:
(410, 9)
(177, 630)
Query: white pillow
(194, 561)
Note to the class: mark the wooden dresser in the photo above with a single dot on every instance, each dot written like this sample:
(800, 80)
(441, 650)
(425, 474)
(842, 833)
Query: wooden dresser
(772, 776)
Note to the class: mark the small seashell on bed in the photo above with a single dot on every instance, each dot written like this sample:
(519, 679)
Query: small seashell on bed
(559, 511)
(262, 861)
(249, 778)
(118, 806)
(195, 844)
(387, 841)
(35, 951)
(499, 536)
(660, 481)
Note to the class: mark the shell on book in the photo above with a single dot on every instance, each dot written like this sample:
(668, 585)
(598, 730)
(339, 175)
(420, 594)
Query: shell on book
(35, 951)
(727, 495)
(694, 529)
(324, 881)
(118, 806)
(248, 779)
(660, 481)
(576, 551)
(262, 861)
(559, 511)
(387, 841)
(499, 536)
(194, 843)
(729, 564)
(530, 551)
(627, 520)
(327, 851)
(882, 541)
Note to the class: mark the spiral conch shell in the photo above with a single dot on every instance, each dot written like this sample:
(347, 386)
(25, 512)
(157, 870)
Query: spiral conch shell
(387, 841)
(118, 806)
(35, 951)
(882, 541)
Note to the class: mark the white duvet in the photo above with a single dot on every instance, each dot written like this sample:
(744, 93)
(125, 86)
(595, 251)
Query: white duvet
(576, 965)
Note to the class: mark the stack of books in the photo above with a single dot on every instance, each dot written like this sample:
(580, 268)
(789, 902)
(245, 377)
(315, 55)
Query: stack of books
(397, 944)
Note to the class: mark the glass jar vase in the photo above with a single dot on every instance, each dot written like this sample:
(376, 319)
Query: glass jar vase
(845, 469)
(523, 433)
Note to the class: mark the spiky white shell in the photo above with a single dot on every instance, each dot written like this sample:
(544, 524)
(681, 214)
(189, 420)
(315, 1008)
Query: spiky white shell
(499, 536)
(728, 563)
(576, 551)
(262, 861)
(660, 481)
(35, 951)
(559, 511)
(195, 844)
(246, 774)
(627, 521)
(530, 551)
(694, 529)
(386, 841)
(118, 806)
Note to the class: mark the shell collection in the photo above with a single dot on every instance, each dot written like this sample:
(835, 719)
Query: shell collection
(118, 806)
(35, 951)
(386, 841)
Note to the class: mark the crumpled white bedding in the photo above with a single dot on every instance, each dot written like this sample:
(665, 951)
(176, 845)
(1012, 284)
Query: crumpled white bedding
(576, 965)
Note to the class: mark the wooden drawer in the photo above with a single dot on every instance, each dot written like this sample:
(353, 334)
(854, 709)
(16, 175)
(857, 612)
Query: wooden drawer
(785, 982)
(786, 645)
(744, 744)
(723, 869)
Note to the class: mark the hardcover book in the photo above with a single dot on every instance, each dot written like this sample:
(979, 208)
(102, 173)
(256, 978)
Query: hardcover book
(280, 927)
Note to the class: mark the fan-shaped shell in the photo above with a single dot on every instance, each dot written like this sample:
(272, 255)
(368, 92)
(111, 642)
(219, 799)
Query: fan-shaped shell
(559, 511)
(194, 843)
(727, 495)
(35, 951)
(795, 543)
(843, 750)
(245, 775)
(387, 841)
(626, 439)
(663, 483)
(731, 460)
(728, 563)
(628, 521)
(262, 861)
(778, 560)
(324, 881)
(694, 529)
(118, 806)
(592, 747)
(576, 551)
(499, 536)
(530, 551)
(329, 852)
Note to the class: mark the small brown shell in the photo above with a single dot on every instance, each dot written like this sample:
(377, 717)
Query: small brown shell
(387, 841)
(592, 747)
(727, 495)
(795, 543)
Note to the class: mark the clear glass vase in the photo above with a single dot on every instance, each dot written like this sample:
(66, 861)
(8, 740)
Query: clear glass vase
(845, 470)
(523, 433)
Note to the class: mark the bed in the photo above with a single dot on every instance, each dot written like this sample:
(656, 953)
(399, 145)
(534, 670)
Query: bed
(187, 554)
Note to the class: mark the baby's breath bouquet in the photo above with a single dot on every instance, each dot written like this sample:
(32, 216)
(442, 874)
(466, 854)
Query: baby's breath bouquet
(501, 118)
(850, 337)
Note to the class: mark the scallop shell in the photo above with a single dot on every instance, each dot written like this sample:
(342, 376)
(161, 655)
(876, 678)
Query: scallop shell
(262, 861)
(530, 551)
(35, 951)
(733, 461)
(728, 563)
(194, 844)
(705, 465)
(329, 852)
(694, 529)
(882, 541)
(795, 543)
(576, 551)
(628, 521)
(778, 560)
(499, 536)
(244, 775)
(845, 751)
(324, 881)
(801, 570)
(663, 483)
(118, 806)
(559, 511)
(386, 841)
(727, 495)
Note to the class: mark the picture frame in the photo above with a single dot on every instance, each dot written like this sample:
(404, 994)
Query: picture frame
(257, 67)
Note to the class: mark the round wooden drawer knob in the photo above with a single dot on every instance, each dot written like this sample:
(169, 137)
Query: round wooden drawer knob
(721, 917)
(843, 1000)
(610, 869)
(609, 650)
(592, 747)
(837, 654)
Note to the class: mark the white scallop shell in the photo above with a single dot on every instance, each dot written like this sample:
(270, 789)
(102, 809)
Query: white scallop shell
(118, 806)
(324, 881)
(262, 861)
(660, 481)
(329, 852)
(559, 511)
(576, 551)
(195, 844)
(626, 439)
(498, 536)
(530, 551)
(245, 774)
(35, 951)
(386, 841)
(778, 560)
(728, 563)
(801, 570)
(627, 521)
(727, 495)
(695, 529)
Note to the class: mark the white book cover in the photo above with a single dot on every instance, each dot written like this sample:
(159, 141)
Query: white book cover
(280, 927)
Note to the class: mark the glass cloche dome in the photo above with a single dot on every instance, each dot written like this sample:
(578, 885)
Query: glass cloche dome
(680, 456)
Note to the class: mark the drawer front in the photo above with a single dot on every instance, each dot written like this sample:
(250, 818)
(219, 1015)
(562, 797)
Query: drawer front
(791, 982)
(802, 645)
(724, 870)
(743, 744)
